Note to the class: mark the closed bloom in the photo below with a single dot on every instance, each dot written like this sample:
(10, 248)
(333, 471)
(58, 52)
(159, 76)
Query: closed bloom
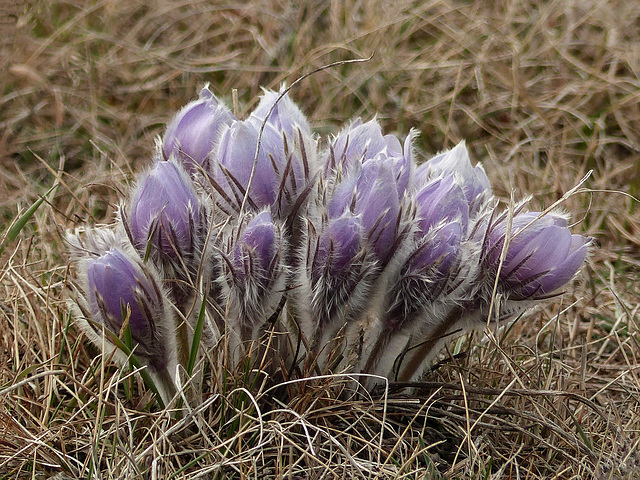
(541, 257)
(360, 142)
(117, 284)
(286, 116)
(253, 271)
(372, 195)
(165, 210)
(442, 218)
(339, 244)
(441, 200)
(341, 269)
(279, 175)
(425, 275)
(474, 180)
(195, 130)
(257, 250)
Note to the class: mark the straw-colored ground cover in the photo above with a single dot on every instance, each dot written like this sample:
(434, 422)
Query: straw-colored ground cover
(543, 92)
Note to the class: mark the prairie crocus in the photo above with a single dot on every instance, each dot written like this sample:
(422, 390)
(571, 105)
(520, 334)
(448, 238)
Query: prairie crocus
(429, 272)
(286, 116)
(340, 270)
(165, 210)
(360, 142)
(424, 277)
(280, 176)
(253, 272)
(372, 195)
(441, 200)
(474, 180)
(195, 130)
(542, 254)
(117, 286)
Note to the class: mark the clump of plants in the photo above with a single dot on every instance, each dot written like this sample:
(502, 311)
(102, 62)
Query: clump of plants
(256, 238)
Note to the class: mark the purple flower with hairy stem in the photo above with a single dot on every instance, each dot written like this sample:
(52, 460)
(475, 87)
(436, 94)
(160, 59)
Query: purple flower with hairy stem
(428, 274)
(256, 250)
(442, 218)
(253, 272)
(117, 284)
(195, 130)
(165, 210)
(541, 257)
(425, 275)
(280, 175)
(473, 180)
(340, 269)
(286, 116)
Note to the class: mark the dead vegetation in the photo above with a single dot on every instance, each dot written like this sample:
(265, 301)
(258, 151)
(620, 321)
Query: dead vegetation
(542, 92)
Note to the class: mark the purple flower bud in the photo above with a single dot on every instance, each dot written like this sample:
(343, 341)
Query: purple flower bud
(253, 272)
(257, 249)
(279, 176)
(360, 142)
(402, 165)
(286, 116)
(165, 208)
(542, 255)
(115, 282)
(341, 271)
(379, 206)
(437, 253)
(473, 180)
(372, 195)
(425, 275)
(338, 246)
(442, 200)
(195, 130)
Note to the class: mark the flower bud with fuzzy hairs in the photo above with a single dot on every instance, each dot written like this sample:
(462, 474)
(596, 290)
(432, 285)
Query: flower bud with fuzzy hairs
(253, 272)
(166, 211)
(195, 130)
(300, 148)
(281, 175)
(341, 271)
(115, 286)
(474, 180)
(542, 255)
(286, 116)
(427, 275)
(441, 200)
(360, 142)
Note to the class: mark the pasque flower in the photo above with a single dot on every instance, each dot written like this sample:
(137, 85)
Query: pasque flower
(195, 130)
(418, 296)
(364, 258)
(372, 195)
(286, 117)
(442, 215)
(119, 287)
(253, 271)
(165, 210)
(542, 255)
(360, 142)
(341, 270)
(473, 180)
(281, 175)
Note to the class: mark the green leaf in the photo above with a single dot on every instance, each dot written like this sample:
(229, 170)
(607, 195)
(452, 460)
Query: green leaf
(14, 231)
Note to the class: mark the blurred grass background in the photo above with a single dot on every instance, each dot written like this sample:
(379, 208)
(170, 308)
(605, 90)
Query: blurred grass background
(542, 92)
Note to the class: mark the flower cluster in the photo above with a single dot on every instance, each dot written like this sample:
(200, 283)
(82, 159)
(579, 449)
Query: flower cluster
(346, 254)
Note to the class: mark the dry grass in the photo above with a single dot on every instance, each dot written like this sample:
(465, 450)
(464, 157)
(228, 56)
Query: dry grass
(542, 91)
